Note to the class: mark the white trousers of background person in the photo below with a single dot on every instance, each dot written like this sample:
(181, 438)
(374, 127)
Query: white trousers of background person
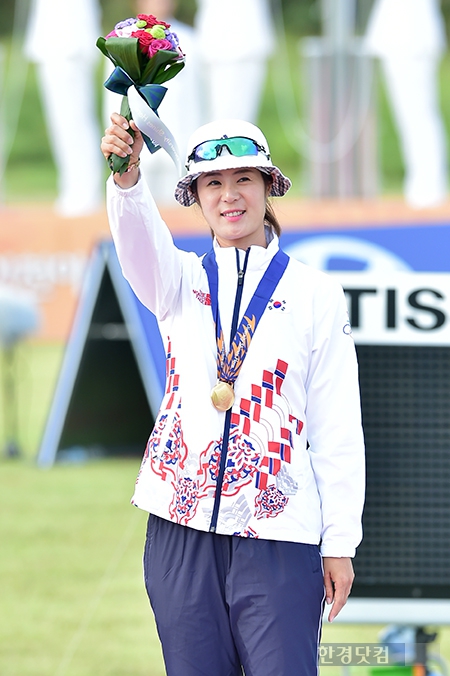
(234, 88)
(408, 36)
(412, 84)
(68, 95)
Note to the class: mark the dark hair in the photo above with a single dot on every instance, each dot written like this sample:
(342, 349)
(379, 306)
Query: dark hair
(270, 218)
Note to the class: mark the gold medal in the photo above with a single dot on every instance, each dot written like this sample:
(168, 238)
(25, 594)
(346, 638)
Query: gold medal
(222, 396)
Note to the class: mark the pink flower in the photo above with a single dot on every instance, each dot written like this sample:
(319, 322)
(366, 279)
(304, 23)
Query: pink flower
(113, 34)
(158, 45)
(152, 20)
(144, 39)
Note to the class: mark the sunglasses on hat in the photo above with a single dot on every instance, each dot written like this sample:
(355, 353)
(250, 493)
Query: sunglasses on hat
(239, 146)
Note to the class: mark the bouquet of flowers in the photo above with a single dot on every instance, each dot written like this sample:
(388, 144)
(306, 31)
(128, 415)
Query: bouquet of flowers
(145, 54)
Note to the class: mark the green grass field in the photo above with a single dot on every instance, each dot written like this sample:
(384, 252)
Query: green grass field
(72, 596)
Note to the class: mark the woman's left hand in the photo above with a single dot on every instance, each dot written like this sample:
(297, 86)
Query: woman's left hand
(338, 579)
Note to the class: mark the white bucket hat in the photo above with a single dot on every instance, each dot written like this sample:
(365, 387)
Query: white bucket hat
(222, 156)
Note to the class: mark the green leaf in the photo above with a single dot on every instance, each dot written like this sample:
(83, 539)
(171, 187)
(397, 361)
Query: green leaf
(126, 112)
(117, 163)
(157, 64)
(169, 72)
(101, 44)
(125, 51)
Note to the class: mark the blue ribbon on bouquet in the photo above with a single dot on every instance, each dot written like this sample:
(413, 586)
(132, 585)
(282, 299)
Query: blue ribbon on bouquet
(119, 82)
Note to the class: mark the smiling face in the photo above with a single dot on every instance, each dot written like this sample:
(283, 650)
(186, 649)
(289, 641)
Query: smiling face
(233, 202)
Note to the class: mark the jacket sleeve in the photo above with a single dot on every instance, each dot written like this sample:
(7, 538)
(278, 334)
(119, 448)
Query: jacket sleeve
(147, 254)
(334, 423)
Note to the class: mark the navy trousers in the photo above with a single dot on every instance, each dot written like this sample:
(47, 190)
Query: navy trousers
(228, 605)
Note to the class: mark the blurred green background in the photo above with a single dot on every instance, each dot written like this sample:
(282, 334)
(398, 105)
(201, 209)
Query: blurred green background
(72, 600)
(30, 173)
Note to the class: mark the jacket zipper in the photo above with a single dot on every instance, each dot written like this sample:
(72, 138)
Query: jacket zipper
(227, 424)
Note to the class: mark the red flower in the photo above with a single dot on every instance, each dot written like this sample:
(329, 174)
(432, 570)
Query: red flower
(157, 45)
(152, 20)
(144, 39)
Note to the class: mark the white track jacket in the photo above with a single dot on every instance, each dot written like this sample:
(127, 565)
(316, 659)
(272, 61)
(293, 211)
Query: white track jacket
(294, 464)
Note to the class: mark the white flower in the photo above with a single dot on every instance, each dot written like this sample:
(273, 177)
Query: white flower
(126, 31)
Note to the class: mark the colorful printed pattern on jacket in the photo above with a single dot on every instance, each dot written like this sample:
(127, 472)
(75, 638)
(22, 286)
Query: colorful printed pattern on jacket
(259, 453)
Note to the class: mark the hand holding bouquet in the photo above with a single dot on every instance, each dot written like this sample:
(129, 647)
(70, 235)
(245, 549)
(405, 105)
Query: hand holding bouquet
(145, 54)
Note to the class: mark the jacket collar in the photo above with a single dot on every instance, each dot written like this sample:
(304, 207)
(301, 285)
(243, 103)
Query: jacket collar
(258, 259)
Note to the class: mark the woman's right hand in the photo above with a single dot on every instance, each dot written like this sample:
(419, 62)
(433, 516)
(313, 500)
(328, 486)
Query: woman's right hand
(118, 140)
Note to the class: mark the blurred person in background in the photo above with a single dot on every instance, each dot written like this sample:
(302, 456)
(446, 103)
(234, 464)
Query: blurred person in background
(409, 38)
(61, 40)
(235, 40)
(181, 108)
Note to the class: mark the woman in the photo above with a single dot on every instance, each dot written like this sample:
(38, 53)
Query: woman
(243, 544)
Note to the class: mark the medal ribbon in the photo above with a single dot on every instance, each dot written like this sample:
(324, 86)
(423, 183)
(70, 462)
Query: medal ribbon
(230, 363)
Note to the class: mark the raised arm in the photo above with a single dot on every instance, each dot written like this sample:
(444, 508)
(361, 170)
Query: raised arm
(148, 257)
(118, 140)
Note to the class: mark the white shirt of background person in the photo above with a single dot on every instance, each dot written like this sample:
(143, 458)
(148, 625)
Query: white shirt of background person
(235, 40)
